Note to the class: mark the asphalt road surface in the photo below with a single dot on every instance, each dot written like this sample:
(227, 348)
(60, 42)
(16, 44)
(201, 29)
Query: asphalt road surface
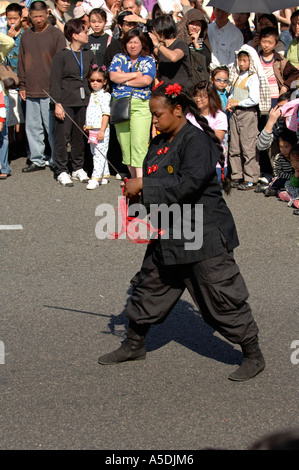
(63, 294)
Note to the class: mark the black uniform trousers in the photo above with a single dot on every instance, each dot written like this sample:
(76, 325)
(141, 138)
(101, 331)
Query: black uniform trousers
(216, 286)
(66, 131)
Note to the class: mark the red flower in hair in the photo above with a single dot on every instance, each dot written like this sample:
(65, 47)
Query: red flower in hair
(158, 84)
(173, 90)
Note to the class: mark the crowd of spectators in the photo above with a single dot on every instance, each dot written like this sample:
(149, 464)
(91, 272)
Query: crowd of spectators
(74, 61)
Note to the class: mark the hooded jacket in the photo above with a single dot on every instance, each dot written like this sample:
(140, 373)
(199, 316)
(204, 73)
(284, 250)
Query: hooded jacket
(200, 59)
(182, 27)
(254, 67)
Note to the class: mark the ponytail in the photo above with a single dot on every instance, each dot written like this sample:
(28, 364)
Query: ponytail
(185, 100)
(193, 109)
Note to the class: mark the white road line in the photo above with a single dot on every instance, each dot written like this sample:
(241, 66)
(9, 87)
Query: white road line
(11, 227)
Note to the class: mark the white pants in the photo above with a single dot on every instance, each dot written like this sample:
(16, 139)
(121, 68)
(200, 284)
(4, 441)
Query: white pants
(99, 152)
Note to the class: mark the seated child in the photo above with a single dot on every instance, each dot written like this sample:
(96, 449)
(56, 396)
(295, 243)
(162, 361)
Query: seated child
(282, 170)
(290, 194)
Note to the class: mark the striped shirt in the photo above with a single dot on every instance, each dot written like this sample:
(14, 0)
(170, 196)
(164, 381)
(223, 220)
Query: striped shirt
(269, 72)
(282, 167)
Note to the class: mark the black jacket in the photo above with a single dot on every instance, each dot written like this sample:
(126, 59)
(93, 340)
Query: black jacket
(186, 175)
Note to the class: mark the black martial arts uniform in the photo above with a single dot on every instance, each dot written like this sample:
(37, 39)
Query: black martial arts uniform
(183, 172)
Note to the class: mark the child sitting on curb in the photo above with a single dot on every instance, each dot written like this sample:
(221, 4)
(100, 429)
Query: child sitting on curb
(282, 170)
(290, 194)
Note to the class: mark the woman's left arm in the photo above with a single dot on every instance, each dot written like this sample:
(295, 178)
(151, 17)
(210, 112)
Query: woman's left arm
(173, 56)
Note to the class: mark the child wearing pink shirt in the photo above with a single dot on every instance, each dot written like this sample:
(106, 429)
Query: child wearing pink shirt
(209, 103)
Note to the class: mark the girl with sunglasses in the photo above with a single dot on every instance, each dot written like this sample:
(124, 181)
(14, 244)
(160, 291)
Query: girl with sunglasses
(97, 123)
(220, 78)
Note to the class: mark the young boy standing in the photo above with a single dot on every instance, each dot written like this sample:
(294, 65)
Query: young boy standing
(37, 48)
(243, 105)
(281, 74)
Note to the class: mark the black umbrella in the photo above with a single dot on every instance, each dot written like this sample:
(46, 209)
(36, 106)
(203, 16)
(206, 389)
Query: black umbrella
(252, 6)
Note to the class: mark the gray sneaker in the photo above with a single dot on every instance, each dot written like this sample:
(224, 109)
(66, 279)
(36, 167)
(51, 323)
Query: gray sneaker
(80, 175)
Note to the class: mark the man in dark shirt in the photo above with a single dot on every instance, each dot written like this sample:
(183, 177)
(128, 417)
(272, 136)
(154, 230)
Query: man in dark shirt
(37, 48)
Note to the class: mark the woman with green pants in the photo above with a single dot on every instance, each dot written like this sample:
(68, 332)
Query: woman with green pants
(132, 73)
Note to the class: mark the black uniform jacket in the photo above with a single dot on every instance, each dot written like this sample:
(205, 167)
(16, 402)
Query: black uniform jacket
(183, 172)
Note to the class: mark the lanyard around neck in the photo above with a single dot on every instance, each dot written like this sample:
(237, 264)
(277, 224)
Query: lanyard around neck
(79, 63)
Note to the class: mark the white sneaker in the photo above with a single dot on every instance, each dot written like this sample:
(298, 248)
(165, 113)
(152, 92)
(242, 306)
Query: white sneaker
(104, 181)
(80, 175)
(65, 179)
(117, 176)
(92, 184)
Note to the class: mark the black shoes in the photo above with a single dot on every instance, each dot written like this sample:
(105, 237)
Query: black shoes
(253, 363)
(246, 186)
(133, 349)
(260, 188)
(235, 183)
(270, 192)
(129, 351)
(32, 167)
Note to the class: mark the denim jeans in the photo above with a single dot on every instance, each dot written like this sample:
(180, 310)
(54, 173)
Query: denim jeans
(5, 168)
(39, 117)
(286, 37)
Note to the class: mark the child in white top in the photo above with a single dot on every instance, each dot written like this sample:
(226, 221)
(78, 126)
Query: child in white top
(243, 105)
(97, 123)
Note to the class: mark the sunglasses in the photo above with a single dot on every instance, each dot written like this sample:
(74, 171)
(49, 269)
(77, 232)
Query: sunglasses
(99, 80)
(221, 80)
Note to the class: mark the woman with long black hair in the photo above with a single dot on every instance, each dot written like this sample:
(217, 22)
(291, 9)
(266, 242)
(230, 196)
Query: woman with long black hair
(179, 172)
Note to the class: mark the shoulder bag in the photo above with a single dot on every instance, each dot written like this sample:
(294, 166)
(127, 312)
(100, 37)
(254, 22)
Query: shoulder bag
(8, 76)
(120, 110)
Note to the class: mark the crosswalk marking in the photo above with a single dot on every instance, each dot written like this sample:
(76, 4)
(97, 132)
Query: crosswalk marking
(11, 227)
